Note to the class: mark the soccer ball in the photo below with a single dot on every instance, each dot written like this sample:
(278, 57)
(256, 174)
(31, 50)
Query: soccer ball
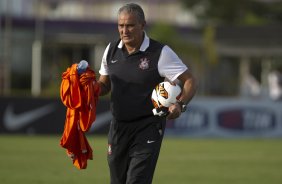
(165, 94)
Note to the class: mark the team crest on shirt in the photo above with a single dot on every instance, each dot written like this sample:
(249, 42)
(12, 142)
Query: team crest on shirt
(144, 63)
(109, 149)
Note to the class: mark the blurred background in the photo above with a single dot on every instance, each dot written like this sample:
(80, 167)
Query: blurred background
(234, 49)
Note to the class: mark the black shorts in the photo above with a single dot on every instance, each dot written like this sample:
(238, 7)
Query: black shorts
(134, 149)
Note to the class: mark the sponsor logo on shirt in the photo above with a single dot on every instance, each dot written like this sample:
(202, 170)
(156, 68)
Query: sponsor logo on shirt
(149, 141)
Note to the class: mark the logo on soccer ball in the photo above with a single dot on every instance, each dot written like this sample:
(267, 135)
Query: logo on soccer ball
(144, 64)
(162, 91)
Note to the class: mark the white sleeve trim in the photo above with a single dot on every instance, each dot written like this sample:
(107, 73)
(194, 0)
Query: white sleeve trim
(104, 67)
(170, 65)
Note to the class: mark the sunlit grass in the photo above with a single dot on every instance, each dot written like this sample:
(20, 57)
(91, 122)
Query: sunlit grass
(40, 160)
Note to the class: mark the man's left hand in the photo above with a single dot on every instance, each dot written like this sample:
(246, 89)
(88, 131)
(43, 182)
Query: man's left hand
(174, 111)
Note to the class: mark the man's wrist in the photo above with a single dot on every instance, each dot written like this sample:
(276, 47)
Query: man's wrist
(182, 105)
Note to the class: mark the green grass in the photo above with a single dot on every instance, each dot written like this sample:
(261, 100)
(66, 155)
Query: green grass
(40, 160)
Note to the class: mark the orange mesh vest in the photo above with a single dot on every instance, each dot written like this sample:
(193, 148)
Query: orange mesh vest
(79, 93)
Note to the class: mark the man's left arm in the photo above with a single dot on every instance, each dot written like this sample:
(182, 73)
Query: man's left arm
(188, 92)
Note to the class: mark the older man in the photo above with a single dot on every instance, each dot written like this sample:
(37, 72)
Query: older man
(131, 68)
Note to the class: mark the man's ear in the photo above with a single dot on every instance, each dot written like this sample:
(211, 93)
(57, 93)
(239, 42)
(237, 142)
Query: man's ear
(143, 25)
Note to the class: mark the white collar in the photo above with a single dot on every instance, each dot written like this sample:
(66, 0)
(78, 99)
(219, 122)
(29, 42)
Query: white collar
(144, 45)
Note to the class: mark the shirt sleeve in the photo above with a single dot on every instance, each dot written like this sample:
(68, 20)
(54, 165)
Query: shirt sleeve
(170, 65)
(104, 67)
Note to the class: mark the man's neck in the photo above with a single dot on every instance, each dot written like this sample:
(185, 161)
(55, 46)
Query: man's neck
(134, 47)
(130, 49)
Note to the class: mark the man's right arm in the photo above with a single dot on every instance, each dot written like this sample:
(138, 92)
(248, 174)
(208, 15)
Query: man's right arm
(105, 84)
(104, 80)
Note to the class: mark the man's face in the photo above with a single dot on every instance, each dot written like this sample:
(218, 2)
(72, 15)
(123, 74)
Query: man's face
(130, 29)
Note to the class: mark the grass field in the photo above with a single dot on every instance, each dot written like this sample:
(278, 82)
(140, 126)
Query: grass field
(40, 160)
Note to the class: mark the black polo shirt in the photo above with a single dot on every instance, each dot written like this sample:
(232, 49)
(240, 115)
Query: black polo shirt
(133, 77)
